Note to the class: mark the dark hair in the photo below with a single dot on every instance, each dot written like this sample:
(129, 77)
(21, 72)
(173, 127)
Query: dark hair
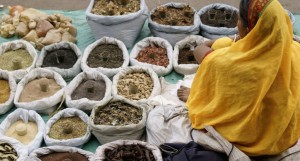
(244, 5)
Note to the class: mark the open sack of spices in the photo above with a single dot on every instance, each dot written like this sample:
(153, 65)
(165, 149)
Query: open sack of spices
(168, 124)
(107, 55)
(8, 88)
(63, 58)
(88, 90)
(184, 61)
(131, 150)
(12, 150)
(40, 90)
(26, 126)
(118, 119)
(17, 57)
(121, 19)
(68, 127)
(218, 20)
(136, 84)
(60, 153)
(155, 53)
(37, 27)
(174, 21)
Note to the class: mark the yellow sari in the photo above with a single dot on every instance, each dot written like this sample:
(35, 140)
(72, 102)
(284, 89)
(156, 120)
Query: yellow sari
(249, 92)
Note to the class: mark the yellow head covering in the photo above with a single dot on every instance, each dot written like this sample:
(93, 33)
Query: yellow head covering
(249, 92)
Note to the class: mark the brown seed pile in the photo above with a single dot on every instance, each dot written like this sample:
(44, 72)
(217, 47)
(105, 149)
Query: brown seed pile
(15, 60)
(115, 7)
(133, 152)
(7, 152)
(135, 86)
(68, 128)
(63, 156)
(186, 56)
(219, 20)
(118, 114)
(4, 90)
(106, 56)
(168, 15)
(154, 55)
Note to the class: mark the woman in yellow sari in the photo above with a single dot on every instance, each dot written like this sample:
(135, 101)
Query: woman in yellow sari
(250, 91)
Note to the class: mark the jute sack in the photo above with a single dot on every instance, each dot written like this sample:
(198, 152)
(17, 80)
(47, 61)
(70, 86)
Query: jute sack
(67, 74)
(45, 105)
(69, 112)
(59, 149)
(19, 148)
(25, 116)
(107, 71)
(19, 44)
(109, 133)
(4, 107)
(84, 103)
(100, 152)
(123, 27)
(192, 42)
(173, 34)
(152, 41)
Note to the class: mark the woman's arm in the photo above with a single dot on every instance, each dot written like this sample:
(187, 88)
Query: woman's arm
(201, 50)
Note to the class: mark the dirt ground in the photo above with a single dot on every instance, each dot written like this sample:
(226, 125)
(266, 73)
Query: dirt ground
(292, 5)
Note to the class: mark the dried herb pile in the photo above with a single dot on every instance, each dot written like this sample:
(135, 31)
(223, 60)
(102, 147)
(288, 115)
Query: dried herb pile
(186, 56)
(4, 90)
(168, 15)
(219, 20)
(7, 152)
(135, 86)
(118, 114)
(106, 56)
(15, 60)
(154, 55)
(68, 128)
(63, 156)
(129, 153)
(115, 7)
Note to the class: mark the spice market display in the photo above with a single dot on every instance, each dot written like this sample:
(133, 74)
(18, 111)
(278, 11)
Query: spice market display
(97, 77)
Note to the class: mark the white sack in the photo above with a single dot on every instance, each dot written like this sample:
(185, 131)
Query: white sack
(69, 112)
(107, 71)
(25, 115)
(217, 30)
(21, 151)
(4, 107)
(168, 124)
(84, 103)
(109, 133)
(123, 27)
(67, 74)
(214, 36)
(100, 152)
(60, 149)
(192, 42)
(19, 44)
(174, 34)
(292, 17)
(45, 105)
(152, 41)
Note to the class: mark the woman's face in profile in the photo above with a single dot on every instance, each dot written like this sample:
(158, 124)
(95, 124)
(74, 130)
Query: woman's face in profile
(243, 31)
